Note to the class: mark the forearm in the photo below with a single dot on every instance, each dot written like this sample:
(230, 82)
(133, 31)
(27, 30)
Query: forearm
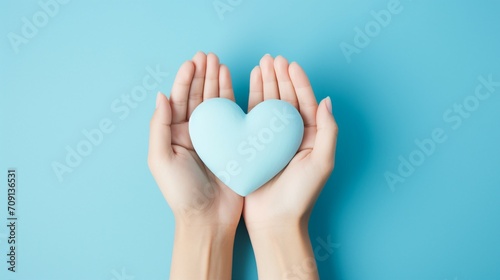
(202, 253)
(284, 252)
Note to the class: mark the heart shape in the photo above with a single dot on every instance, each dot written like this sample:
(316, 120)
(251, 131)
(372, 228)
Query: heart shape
(245, 151)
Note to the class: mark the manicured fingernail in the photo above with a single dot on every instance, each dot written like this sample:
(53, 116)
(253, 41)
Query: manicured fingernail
(157, 99)
(267, 54)
(329, 104)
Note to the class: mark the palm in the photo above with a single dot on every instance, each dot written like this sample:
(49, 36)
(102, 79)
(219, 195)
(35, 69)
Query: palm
(211, 195)
(287, 197)
(192, 191)
(282, 196)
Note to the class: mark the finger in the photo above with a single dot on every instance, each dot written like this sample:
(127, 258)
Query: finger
(211, 88)
(305, 95)
(326, 137)
(285, 86)
(180, 92)
(256, 88)
(196, 91)
(225, 84)
(160, 147)
(269, 78)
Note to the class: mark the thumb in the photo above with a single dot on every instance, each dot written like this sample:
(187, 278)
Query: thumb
(325, 144)
(160, 141)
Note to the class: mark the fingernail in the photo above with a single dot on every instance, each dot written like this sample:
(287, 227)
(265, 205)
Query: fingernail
(329, 104)
(157, 99)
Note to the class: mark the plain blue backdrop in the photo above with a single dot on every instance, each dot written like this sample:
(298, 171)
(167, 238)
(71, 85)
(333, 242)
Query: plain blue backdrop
(107, 219)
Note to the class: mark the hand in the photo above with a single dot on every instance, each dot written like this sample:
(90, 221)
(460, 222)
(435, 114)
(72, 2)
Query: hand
(277, 214)
(206, 211)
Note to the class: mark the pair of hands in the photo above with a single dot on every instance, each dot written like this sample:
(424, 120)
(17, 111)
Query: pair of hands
(208, 211)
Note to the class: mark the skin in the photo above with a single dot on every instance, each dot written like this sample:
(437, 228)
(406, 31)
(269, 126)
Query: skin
(277, 214)
(206, 211)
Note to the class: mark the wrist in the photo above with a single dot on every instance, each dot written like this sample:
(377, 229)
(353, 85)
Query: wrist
(204, 221)
(205, 233)
(284, 252)
(277, 225)
(210, 247)
(278, 235)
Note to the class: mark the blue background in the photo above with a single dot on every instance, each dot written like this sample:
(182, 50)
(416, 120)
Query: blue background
(107, 219)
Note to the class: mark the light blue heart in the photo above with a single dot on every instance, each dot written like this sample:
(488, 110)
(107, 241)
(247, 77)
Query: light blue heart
(245, 151)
